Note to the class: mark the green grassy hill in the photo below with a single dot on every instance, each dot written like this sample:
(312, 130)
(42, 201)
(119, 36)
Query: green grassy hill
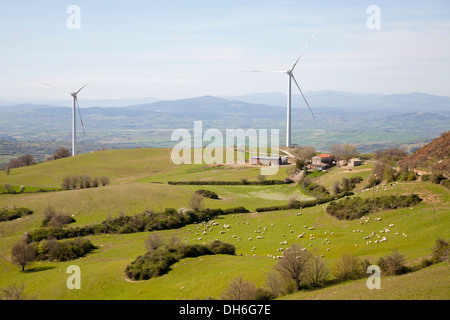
(139, 182)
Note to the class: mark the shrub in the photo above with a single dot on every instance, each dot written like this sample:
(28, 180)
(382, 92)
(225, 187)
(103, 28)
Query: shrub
(243, 181)
(158, 262)
(61, 153)
(196, 202)
(355, 208)
(83, 181)
(348, 267)
(412, 176)
(67, 183)
(207, 194)
(446, 183)
(13, 293)
(314, 189)
(441, 250)
(8, 188)
(238, 289)
(63, 250)
(295, 204)
(264, 294)
(145, 221)
(317, 273)
(104, 180)
(153, 241)
(437, 178)
(393, 264)
(218, 247)
(55, 219)
(13, 212)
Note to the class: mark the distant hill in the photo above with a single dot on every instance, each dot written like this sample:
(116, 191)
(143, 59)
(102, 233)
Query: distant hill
(435, 156)
(394, 103)
(369, 121)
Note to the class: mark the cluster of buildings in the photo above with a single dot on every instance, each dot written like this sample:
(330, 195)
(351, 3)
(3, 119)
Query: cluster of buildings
(268, 161)
(320, 162)
(324, 161)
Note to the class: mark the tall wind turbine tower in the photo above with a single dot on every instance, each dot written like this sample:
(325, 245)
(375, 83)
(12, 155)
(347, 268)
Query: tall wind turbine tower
(289, 95)
(74, 112)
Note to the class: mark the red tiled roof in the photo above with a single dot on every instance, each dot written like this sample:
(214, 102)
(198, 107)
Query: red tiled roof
(324, 155)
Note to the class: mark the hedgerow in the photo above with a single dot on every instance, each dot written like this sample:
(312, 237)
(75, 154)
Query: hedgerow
(304, 204)
(146, 221)
(355, 208)
(158, 262)
(232, 183)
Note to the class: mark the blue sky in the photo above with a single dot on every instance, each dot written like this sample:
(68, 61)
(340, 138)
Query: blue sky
(179, 49)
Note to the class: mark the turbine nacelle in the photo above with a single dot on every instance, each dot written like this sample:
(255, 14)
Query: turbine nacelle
(291, 77)
(75, 106)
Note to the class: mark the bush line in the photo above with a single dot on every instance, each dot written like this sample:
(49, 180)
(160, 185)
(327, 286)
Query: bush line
(145, 221)
(355, 208)
(305, 204)
(157, 262)
(231, 183)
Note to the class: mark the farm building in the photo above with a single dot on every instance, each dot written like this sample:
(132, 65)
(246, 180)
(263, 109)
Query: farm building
(268, 161)
(322, 158)
(354, 162)
(321, 162)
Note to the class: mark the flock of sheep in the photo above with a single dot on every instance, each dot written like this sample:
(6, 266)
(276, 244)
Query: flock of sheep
(204, 228)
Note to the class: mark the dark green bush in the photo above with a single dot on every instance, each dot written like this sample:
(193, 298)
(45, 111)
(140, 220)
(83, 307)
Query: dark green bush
(313, 189)
(243, 181)
(207, 194)
(393, 264)
(355, 208)
(437, 178)
(145, 221)
(304, 204)
(446, 183)
(62, 250)
(158, 262)
(441, 250)
(13, 212)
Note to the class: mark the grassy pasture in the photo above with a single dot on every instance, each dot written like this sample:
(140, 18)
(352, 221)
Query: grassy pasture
(103, 270)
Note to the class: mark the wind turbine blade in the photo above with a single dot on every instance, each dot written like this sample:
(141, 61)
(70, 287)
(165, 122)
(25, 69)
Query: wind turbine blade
(79, 113)
(51, 86)
(292, 69)
(293, 78)
(264, 71)
(95, 76)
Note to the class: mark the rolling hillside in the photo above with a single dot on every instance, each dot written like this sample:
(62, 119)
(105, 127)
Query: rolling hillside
(434, 156)
(139, 182)
(368, 121)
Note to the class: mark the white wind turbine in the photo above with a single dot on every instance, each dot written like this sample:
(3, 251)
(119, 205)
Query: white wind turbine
(74, 114)
(290, 78)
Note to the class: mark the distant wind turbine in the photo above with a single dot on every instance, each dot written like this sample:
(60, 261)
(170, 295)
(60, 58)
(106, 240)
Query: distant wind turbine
(289, 99)
(74, 114)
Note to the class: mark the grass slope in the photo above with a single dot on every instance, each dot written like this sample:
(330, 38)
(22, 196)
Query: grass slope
(103, 270)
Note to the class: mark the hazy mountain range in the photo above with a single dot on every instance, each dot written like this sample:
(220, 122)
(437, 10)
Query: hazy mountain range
(371, 121)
